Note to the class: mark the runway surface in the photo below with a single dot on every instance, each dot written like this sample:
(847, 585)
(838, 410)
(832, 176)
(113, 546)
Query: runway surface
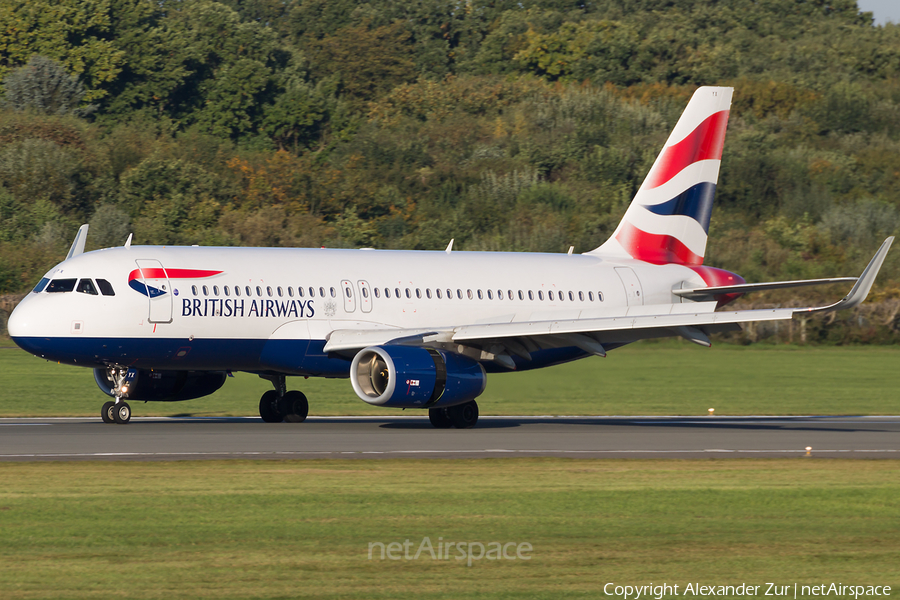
(413, 437)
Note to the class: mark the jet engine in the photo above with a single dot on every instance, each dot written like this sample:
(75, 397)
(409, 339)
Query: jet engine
(163, 386)
(413, 377)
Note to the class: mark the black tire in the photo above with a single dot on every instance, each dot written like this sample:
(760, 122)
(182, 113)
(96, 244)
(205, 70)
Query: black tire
(464, 416)
(268, 408)
(294, 407)
(439, 418)
(106, 413)
(121, 413)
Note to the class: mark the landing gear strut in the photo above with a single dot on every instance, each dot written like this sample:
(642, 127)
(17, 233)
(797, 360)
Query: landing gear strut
(461, 416)
(118, 411)
(280, 405)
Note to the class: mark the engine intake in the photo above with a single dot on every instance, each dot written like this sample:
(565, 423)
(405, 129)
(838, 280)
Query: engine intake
(412, 377)
(163, 386)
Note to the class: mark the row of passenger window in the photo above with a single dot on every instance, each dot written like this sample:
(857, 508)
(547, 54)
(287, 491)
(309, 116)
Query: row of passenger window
(269, 291)
(438, 293)
(489, 294)
(84, 286)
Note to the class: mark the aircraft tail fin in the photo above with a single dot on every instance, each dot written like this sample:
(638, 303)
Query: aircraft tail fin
(668, 219)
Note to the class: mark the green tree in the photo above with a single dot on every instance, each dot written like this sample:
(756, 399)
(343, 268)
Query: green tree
(44, 86)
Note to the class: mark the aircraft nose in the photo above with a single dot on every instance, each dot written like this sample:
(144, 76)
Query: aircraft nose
(21, 322)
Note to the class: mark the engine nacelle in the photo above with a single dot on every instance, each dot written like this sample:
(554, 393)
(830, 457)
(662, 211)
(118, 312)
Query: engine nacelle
(412, 377)
(163, 386)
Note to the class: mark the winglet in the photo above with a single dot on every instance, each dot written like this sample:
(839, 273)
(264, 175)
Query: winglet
(78, 243)
(864, 284)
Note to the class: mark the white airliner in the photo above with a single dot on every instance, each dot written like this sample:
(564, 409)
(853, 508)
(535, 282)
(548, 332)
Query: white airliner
(410, 329)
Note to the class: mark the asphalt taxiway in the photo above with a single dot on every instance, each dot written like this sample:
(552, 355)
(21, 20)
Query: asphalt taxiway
(181, 438)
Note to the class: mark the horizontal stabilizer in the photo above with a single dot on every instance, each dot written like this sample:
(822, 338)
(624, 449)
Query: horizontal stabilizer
(707, 293)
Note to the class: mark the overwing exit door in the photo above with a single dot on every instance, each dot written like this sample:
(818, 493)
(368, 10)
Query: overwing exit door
(156, 287)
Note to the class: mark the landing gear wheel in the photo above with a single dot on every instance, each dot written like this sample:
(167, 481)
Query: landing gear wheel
(294, 407)
(106, 413)
(268, 408)
(439, 418)
(121, 413)
(464, 416)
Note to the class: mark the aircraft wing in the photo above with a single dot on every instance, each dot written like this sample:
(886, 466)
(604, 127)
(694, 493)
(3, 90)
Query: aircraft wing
(499, 341)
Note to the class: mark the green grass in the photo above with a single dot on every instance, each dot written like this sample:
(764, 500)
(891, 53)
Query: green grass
(645, 378)
(285, 529)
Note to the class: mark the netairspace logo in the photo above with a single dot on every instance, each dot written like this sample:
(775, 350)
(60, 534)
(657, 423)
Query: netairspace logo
(467, 551)
(795, 590)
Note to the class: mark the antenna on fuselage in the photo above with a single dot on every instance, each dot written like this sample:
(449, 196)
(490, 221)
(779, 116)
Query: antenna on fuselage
(128, 241)
(78, 243)
(449, 247)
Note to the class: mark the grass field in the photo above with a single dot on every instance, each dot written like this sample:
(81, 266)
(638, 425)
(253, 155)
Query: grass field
(285, 529)
(645, 378)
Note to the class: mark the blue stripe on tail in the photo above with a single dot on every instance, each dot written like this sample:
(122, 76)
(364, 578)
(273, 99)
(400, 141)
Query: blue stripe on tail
(695, 202)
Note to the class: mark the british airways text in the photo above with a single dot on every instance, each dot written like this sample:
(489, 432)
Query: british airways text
(232, 307)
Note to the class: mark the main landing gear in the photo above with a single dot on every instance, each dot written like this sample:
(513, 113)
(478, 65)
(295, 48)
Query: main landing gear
(280, 405)
(461, 416)
(118, 411)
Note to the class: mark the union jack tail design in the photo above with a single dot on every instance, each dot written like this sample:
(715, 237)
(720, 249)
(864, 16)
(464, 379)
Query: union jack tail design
(668, 220)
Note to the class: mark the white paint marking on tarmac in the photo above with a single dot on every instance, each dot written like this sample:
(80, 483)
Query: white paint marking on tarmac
(438, 452)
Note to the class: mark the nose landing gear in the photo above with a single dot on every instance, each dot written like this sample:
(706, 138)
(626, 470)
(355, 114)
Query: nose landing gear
(280, 405)
(118, 411)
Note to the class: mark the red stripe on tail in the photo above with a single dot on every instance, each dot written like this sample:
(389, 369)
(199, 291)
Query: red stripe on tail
(654, 248)
(704, 143)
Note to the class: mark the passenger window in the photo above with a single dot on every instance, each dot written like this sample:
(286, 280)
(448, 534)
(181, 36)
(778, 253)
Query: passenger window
(280, 291)
(290, 291)
(61, 285)
(365, 293)
(459, 293)
(418, 293)
(258, 291)
(581, 296)
(521, 295)
(41, 285)
(387, 292)
(205, 291)
(530, 295)
(333, 293)
(499, 294)
(469, 294)
(591, 296)
(269, 290)
(428, 293)
(562, 296)
(397, 293)
(312, 292)
(299, 291)
(86, 286)
(322, 292)
(600, 296)
(490, 295)
(550, 295)
(347, 292)
(408, 294)
(227, 290)
(540, 295)
(105, 288)
(480, 295)
(248, 290)
(509, 294)
(377, 292)
(571, 296)
(237, 290)
(215, 290)
(439, 293)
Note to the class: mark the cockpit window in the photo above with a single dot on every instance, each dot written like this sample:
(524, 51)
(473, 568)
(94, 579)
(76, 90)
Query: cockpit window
(105, 287)
(41, 285)
(61, 285)
(86, 286)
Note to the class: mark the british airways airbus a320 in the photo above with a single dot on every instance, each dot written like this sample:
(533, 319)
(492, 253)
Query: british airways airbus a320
(410, 329)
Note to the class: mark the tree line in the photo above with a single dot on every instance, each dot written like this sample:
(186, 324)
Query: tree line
(519, 126)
